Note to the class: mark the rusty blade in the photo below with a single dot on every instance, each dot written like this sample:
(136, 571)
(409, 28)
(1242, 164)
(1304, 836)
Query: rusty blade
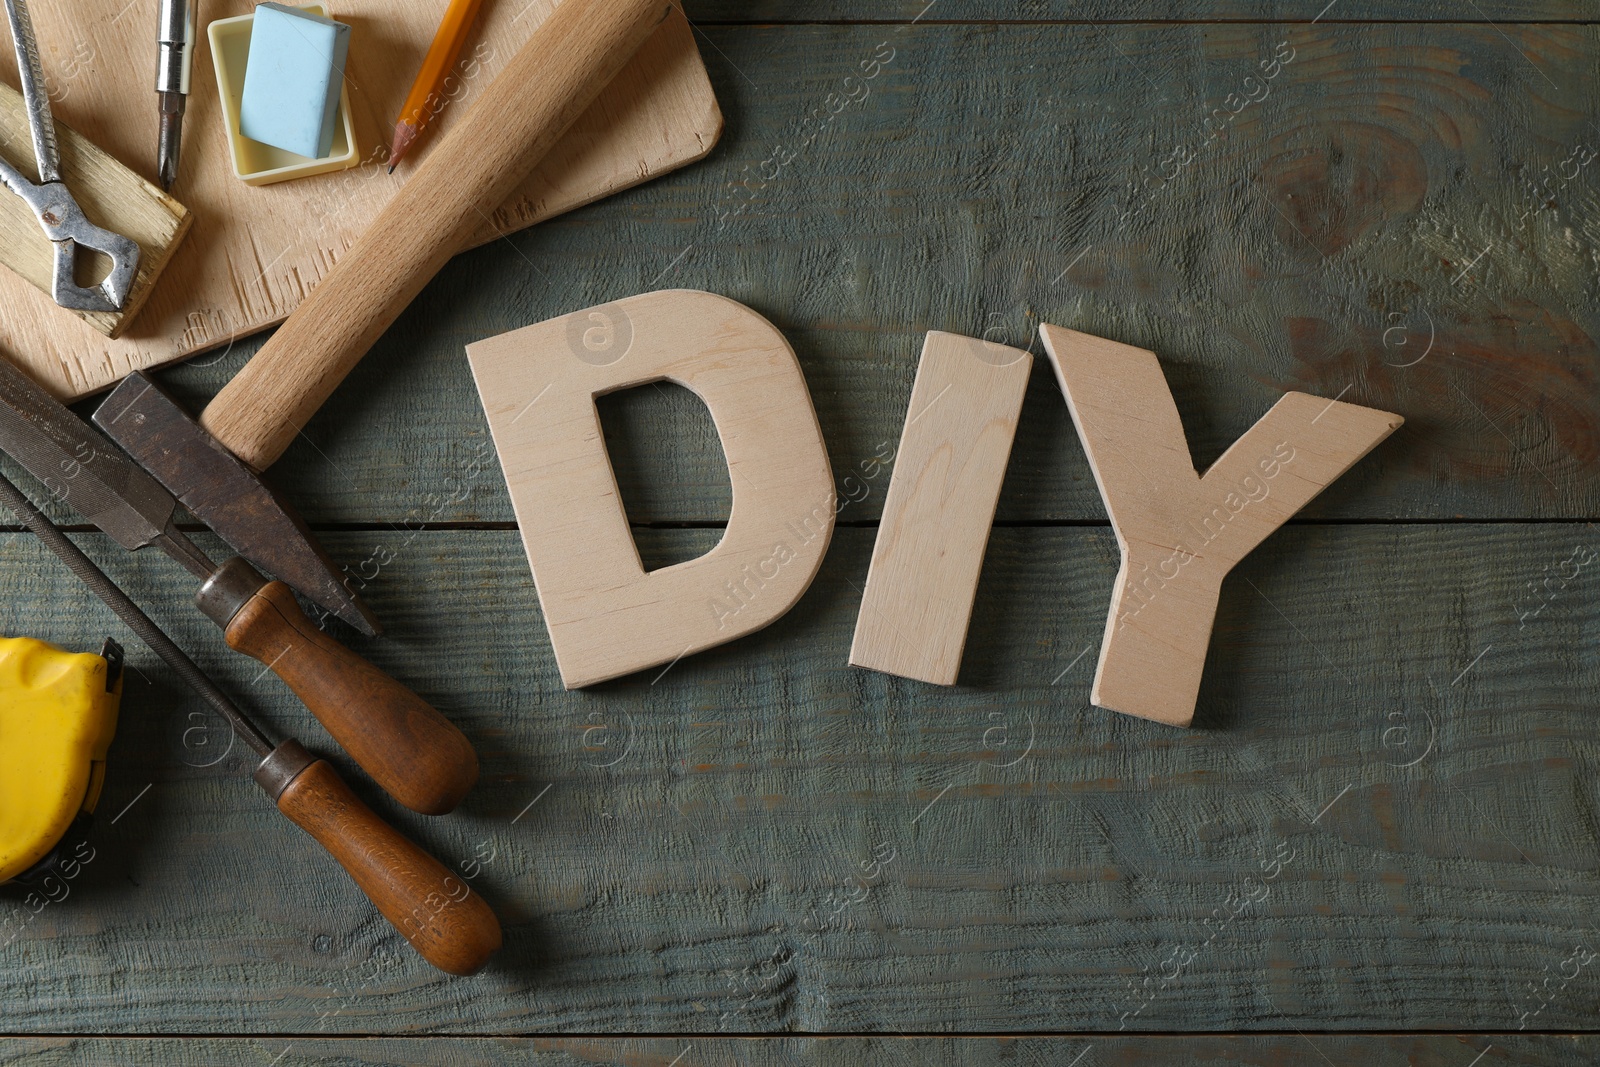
(219, 490)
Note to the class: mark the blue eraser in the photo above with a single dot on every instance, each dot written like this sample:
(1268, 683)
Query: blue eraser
(293, 79)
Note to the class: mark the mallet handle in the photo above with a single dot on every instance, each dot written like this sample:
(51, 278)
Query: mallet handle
(522, 114)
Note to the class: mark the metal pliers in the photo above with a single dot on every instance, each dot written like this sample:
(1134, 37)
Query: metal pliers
(59, 214)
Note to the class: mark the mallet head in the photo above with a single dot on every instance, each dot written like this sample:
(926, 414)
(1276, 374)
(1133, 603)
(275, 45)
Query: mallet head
(220, 491)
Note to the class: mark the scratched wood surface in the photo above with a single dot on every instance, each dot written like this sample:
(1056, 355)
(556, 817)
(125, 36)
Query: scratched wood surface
(1396, 741)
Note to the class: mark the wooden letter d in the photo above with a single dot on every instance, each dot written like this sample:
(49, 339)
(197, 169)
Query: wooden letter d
(607, 617)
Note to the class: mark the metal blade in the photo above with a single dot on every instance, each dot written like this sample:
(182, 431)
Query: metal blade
(80, 467)
(220, 491)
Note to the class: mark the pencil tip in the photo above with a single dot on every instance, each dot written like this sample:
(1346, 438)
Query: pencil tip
(404, 134)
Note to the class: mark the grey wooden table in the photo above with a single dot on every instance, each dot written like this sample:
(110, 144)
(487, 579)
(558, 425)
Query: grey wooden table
(1399, 709)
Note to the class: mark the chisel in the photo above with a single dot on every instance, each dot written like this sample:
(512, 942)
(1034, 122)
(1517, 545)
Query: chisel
(450, 925)
(416, 754)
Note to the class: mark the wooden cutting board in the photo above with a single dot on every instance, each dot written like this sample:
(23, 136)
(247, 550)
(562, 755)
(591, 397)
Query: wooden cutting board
(254, 252)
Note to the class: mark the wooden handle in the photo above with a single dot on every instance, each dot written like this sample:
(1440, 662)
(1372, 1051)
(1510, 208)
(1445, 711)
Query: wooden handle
(453, 928)
(416, 754)
(497, 143)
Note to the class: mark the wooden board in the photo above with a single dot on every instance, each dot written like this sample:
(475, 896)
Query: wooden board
(255, 252)
(109, 194)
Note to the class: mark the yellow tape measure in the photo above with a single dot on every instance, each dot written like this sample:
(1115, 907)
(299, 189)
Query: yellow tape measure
(58, 711)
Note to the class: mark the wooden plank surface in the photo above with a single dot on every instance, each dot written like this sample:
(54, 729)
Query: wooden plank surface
(947, 202)
(1433, 1050)
(255, 252)
(1415, 765)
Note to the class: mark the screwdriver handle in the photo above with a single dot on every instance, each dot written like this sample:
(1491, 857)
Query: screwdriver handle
(417, 755)
(491, 148)
(451, 926)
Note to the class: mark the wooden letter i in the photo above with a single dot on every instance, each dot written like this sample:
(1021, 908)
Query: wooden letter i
(936, 517)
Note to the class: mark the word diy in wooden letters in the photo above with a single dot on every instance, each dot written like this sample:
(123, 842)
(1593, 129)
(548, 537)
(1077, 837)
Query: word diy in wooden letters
(1180, 532)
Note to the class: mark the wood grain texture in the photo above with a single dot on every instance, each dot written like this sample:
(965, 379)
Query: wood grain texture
(917, 602)
(415, 754)
(1386, 148)
(256, 252)
(1181, 531)
(1435, 808)
(111, 196)
(1114, 1050)
(607, 616)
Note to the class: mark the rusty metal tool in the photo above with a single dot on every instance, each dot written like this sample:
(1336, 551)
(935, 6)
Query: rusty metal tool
(62, 220)
(225, 494)
(417, 755)
(452, 927)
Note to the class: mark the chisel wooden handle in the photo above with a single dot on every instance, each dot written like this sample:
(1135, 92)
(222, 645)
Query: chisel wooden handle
(416, 754)
(467, 175)
(453, 928)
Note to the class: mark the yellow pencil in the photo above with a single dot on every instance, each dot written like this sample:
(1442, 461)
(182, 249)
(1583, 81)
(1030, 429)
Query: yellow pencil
(427, 92)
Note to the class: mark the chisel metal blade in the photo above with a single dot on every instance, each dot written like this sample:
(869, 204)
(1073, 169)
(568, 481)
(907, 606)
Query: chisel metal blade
(226, 495)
